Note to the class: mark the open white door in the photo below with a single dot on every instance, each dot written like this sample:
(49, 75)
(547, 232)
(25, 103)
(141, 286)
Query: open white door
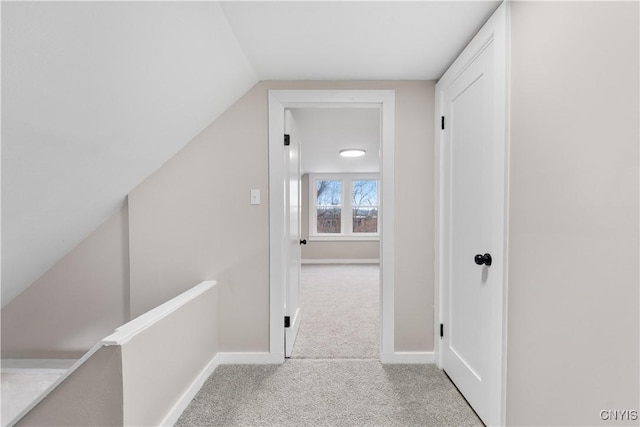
(292, 232)
(472, 228)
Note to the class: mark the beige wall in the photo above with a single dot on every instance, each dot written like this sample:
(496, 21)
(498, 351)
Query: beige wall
(318, 250)
(90, 396)
(77, 302)
(191, 220)
(573, 271)
(142, 371)
(414, 218)
(180, 233)
(160, 363)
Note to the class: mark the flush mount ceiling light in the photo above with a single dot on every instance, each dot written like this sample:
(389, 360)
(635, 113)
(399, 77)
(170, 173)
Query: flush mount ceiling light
(352, 152)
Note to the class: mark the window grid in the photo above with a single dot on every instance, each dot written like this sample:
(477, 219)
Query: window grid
(364, 214)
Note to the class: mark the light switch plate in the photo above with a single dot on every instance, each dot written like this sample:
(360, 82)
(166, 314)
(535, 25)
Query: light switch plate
(255, 197)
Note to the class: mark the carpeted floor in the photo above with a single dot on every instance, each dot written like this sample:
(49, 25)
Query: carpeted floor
(341, 392)
(18, 390)
(334, 377)
(340, 311)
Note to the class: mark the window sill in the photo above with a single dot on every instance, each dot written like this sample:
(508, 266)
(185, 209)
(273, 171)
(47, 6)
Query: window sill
(344, 238)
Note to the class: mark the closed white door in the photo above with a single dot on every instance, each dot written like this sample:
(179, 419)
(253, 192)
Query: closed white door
(292, 231)
(473, 228)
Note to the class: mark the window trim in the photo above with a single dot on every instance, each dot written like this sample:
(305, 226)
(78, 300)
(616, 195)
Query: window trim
(346, 207)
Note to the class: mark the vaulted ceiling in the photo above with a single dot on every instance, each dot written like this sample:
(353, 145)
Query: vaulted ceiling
(98, 95)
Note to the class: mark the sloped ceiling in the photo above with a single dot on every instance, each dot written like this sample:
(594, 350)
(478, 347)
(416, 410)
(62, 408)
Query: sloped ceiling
(98, 95)
(95, 97)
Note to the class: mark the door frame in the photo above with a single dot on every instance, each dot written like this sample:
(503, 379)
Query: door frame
(279, 100)
(496, 30)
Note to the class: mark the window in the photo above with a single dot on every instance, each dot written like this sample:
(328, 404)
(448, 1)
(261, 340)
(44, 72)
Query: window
(328, 206)
(343, 207)
(364, 204)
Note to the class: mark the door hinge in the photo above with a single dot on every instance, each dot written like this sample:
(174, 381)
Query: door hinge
(286, 140)
(287, 321)
(442, 122)
(441, 330)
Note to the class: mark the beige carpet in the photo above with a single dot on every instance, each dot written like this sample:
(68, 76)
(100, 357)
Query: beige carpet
(340, 312)
(20, 389)
(334, 377)
(339, 392)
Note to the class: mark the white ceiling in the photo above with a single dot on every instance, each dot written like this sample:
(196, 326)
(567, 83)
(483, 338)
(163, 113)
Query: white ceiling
(325, 131)
(359, 40)
(98, 95)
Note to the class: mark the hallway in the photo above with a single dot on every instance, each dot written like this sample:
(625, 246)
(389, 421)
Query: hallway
(334, 376)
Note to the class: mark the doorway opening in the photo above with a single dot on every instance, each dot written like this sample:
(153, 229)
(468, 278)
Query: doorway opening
(280, 100)
(339, 232)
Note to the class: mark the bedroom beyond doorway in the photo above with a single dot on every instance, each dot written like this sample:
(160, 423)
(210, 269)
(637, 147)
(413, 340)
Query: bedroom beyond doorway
(340, 306)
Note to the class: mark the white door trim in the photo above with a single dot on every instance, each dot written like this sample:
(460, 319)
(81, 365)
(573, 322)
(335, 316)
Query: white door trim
(278, 101)
(498, 28)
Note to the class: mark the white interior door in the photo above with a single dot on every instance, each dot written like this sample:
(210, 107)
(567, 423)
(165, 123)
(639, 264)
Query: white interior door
(472, 227)
(292, 232)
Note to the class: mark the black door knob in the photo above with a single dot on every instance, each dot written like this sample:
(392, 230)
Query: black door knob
(483, 259)
(303, 241)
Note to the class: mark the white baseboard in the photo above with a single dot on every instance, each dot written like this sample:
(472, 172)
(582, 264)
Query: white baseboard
(219, 359)
(340, 261)
(249, 358)
(191, 392)
(407, 357)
